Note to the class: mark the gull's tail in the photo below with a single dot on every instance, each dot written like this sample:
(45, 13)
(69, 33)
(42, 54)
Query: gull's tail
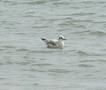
(45, 40)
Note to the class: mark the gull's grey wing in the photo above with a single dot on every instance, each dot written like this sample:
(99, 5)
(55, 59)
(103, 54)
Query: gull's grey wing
(52, 43)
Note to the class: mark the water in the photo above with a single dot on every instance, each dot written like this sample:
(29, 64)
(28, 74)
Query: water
(26, 63)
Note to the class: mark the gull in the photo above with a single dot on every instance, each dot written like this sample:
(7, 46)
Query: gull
(53, 43)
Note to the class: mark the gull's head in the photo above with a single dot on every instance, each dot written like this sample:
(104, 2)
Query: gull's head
(62, 38)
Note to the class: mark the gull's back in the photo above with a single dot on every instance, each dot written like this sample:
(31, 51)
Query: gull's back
(51, 43)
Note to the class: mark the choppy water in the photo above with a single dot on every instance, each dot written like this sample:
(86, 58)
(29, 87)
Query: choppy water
(25, 62)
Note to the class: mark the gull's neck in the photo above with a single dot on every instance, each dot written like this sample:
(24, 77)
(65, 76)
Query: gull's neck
(61, 43)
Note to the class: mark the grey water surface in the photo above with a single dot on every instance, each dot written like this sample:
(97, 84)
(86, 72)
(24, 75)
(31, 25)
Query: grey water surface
(26, 63)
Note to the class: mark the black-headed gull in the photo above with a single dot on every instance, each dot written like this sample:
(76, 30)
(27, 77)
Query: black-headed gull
(53, 43)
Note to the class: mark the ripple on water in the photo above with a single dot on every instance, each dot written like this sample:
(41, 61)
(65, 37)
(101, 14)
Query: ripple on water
(85, 65)
(37, 2)
(83, 14)
(45, 51)
(91, 60)
(42, 64)
(82, 53)
(8, 46)
(22, 50)
(59, 70)
(98, 33)
(2, 49)
(85, 53)
(1, 78)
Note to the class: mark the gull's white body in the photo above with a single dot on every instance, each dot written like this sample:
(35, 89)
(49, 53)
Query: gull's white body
(53, 43)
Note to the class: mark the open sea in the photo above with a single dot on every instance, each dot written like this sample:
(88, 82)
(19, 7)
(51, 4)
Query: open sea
(26, 63)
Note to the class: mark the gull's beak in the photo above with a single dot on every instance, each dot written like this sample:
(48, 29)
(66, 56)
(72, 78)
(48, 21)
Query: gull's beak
(64, 39)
